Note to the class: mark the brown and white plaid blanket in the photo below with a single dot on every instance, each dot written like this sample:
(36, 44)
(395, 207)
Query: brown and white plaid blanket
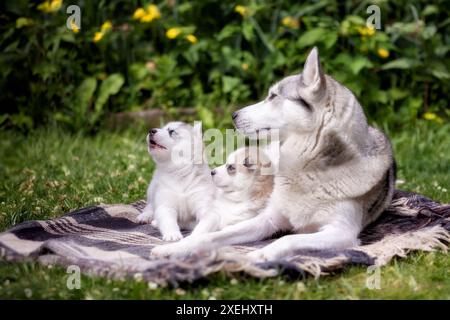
(105, 240)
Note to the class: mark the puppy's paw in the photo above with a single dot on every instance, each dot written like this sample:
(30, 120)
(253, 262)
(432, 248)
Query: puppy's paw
(145, 217)
(172, 236)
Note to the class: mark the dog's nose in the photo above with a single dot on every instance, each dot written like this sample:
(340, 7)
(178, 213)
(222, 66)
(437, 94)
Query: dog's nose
(234, 115)
(213, 172)
(152, 131)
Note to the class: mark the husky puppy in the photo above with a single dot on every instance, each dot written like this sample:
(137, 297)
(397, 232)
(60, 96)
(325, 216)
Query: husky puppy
(244, 185)
(181, 190)
(335, 173)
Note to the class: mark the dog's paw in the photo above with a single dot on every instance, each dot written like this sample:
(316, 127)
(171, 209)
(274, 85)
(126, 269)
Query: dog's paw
(168, 250)
(145, 217)
(160, 251)
(260, 255)
(172, 236)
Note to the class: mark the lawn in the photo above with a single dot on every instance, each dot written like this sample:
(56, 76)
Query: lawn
(49, 172)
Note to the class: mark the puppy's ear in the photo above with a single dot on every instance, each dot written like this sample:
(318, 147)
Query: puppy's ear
(312, 75)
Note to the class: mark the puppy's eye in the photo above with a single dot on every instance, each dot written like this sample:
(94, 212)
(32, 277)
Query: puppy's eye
(171, 132)
(247, 163)
(231, 168)
(271, 96)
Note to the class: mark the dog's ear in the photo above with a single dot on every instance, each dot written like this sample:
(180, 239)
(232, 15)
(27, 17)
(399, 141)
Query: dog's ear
(312, 75)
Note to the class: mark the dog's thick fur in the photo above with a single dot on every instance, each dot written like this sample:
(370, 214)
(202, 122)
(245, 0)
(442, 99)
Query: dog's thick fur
(335, 176)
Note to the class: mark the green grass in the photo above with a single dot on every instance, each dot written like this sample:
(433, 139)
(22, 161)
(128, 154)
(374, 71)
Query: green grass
(48, 172)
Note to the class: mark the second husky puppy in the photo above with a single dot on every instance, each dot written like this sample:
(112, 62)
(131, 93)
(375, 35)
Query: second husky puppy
(181, 191)
(244, 185)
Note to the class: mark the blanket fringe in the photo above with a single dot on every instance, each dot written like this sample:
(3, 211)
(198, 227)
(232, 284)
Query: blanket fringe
(229, 260)
(430, 239)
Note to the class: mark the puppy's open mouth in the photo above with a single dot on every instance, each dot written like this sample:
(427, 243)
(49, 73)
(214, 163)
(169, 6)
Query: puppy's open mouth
(154, 145)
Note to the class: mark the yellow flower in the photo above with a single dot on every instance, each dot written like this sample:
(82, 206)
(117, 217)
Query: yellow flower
(433, 117)
(290, 22)
(44, 6)
(383, 53)
(146, 18)
(366, 31)
(153, 11)
(370, 31)
(74, 26)
(243, 11)
(191, 38)
(55, 5)
(98, 36)
(244, 66)
(148, 15)
(139, 14)
(362, 31)
(172, 33)
(50, 6)
(107, 25)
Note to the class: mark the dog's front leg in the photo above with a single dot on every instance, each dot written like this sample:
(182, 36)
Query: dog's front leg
(329, 237)
(257, 228)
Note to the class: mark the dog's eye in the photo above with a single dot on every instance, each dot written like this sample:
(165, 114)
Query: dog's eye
(272, 96)
(231, 168)
(305, 104)
(171, 132)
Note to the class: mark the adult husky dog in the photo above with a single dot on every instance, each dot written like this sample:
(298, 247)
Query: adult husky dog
(335, 175)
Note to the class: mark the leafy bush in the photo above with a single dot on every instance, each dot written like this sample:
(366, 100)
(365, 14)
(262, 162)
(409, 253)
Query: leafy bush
(132, 55)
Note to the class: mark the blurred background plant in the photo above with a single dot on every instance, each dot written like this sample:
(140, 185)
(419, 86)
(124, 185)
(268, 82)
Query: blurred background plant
(211, 54)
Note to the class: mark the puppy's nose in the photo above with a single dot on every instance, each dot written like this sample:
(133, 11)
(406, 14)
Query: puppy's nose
(152, 131)
(213, 172)
(234, 115)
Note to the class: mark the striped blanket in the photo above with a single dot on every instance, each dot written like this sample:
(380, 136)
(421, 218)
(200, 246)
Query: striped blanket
(106, 240)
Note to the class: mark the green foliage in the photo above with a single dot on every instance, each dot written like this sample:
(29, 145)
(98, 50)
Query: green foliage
(110, 86)
(209, 53)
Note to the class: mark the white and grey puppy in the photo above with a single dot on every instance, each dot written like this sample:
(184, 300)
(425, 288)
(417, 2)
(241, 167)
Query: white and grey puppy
(335, 175)
(244, 185)
(181, 191)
